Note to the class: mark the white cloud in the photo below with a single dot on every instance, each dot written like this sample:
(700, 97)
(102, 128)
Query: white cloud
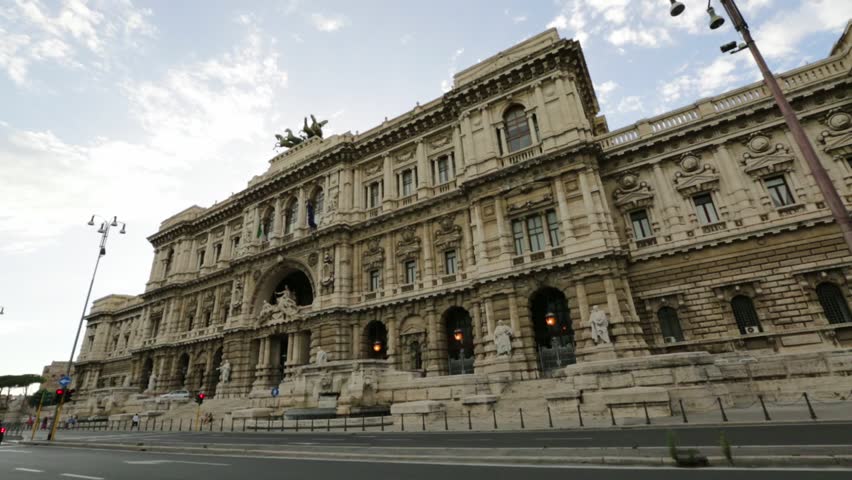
(630, 103)
(405, 39)
(779, 36)
(519, 19)
(559, 22)
(77, 34)
(328, 23)
(447, 84)
(604, 90)
(654, 37)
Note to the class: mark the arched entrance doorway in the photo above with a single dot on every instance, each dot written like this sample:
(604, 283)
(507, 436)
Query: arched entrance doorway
(554, 336)
(147, 370)
(376, 335)
(459, 335)
(183, 369)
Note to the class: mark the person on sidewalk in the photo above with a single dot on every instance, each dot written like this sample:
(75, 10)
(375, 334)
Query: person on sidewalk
(135, 423)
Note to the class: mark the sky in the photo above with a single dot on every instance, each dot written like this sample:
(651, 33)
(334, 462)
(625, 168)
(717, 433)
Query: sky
(140, 109)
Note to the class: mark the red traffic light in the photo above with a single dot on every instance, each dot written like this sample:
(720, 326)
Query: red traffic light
(201, 396)
(60, 392)
(2, 430)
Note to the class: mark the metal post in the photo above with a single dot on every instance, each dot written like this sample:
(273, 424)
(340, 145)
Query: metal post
(402, 422)
(312, 424)
(327, 424)
(363, 423)
(382, 423)
(647, 418)
(232, 424)
(269, 423)
(763, 406)
(579, 414)
(683, 411)
(345, 427)
(810, 408)
(446, 425)
(282, 422)
(423, 421)
(722, 409)
(611, 414)
(244, 424)
(180, 425)
(190, 425)
(494, 416)
(222, 424)
(297, 424)
(469, 423)
(521, 413)
(823, 181)
(549, 417)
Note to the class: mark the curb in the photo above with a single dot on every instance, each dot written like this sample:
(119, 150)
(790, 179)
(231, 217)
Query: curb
(715, 461)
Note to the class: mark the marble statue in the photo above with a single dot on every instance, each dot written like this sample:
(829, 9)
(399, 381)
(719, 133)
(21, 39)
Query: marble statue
(503, 338)
(225, 372)
(600, 325)
(152, 382)
(322, 357)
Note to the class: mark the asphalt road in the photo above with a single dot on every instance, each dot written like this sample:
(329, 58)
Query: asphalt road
(830, 434)
(34, 463)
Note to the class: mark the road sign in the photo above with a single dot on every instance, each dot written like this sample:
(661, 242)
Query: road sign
(65, 380)
(274, 391)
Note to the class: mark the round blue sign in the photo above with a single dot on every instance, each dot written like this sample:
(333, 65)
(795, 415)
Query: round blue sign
(65, 380)
(274, 391)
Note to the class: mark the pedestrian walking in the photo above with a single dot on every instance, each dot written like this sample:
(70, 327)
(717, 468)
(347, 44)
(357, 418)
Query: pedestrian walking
(135, 421)
(30, 421)
(44, 423)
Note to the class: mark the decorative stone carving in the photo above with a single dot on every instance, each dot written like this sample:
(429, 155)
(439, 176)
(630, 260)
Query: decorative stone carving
(373, 167)
(503, 335)
(152, 382)
(327, 279)
(632, 193)
(405, 155)
(322, 357)
(237, 298)
(764, 159)
(331, 203)
(313, 258)
(599, 323)
(374, 256)
(409, 246)
(225, 372)
(695, 178)
(448, 234)
(284, 309)
(544, 200)
(441, 141)
(837, 140)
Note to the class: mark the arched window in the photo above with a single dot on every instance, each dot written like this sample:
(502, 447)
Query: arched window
(745, 314)
(290, 216)
(833, 303)
(266, 225)
(517, 128)
(670, 324)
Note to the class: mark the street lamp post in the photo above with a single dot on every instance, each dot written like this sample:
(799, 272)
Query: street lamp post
(104, 231)
(550, 321)
(823, 181)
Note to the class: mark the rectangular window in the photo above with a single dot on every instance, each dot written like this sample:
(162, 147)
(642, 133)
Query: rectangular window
(200, 258)
(443, 170)
(705, 209)
(641, 225)
(235, 243)
(374, 195)
(410, 271)
(407, 183)
(518, 236)
(217, 251)
(553, 228)
(450, 262)
(535, 231)
(779, 191)
(374, 280)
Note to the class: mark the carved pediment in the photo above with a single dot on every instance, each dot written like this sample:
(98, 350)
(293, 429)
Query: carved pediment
(689, 185)
(448, 235)
(764, 159)
(374, 256)
(405, 155)
(531, 203)
(632, 193)
(373, 167)
(409, 245)
(837, 139)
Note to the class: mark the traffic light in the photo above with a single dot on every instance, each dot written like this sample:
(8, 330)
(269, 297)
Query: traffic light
(199, 399)
(69, 395)
(59, 393)
(2, 433)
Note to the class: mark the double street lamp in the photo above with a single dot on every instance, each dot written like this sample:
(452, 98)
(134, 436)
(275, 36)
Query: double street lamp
(823, 181)
(103, 229)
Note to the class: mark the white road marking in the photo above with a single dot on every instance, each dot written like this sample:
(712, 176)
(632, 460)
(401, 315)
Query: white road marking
(73, 475)
(29, 470)
(563, 438)
(159, 462)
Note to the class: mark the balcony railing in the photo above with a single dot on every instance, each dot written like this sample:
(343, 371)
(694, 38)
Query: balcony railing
(793, 80)
(522, 155)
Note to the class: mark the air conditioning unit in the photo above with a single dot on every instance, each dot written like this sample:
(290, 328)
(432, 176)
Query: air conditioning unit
(750, 330)
(670, 339)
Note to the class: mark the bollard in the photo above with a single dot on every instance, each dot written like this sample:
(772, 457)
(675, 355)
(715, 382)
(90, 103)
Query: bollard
(611, 414)
(647, 418)
(549, 417)
(469, 424)
(297, 424)
(579, 414)
(210, 426)
(810, 408)
(190, 424)
(222, 424)
(363, 423)
(327, 424)
(244, 424)
(232, 424)
(446, 425)
(521, 413)
(382, 423)
(345, 428)
(180, 425)
(269, 423)
(423, 421)
(312, 424)
(162, 424)
(494, 416)
(402, 422)
(683, 411)
(722, 409)
(763, 406)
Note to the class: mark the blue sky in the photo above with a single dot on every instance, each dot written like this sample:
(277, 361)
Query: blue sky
(141, 109)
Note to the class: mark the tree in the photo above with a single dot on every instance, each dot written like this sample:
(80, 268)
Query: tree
(9, 382)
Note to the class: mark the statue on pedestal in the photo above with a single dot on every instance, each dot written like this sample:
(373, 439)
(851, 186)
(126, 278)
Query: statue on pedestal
(503, 338)
(225, 372)
(600, 326)
(322, 357)
(152, 382)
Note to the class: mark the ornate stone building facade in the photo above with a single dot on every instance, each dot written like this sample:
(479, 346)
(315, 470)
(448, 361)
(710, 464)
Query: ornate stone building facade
(501, 236)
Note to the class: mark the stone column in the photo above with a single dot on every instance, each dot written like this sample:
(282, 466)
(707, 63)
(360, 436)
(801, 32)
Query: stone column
(389, 193)
(489, 317)
(458, 153)
(470, 154)
(358, 189)
(491, 148)
(740, 197)
(543, 118)
(346, 198)
(428, 258)
(533, 132)
(226, 243)
(301, 217)
(424, 172)
(564, 213)
(669, 199)
(478, 337)
(581, 328)
(589, 203)
(500, 212)
(612, 301)
(393, 342)
(356, 341)
(433, 368)
(478, 236)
